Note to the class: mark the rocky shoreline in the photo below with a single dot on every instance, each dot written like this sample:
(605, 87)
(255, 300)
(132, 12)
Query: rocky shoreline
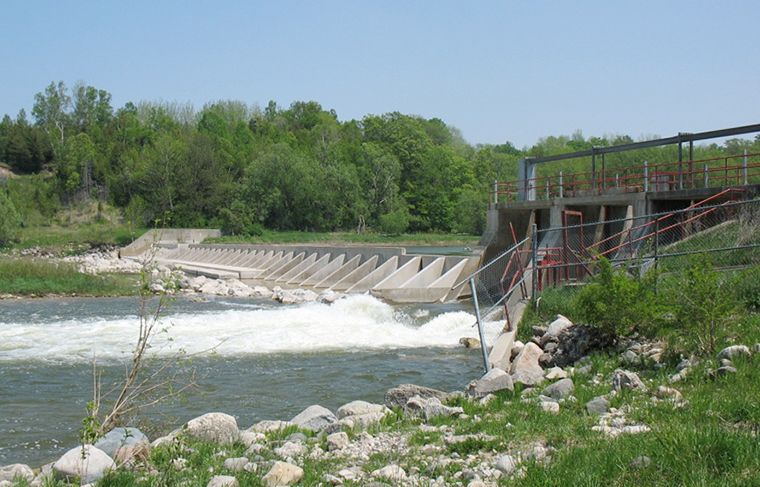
(347, 443)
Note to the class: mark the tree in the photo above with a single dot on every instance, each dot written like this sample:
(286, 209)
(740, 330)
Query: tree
(50, 112)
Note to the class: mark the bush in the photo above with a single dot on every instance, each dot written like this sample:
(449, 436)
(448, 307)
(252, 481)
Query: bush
(702, 304)
(395, 222)
(10, 220)
(747, 288)
(616, 302)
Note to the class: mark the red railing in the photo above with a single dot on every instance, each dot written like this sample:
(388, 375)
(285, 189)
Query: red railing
(736, 170)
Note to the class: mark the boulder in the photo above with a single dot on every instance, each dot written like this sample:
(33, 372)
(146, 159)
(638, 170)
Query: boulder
(431, 407)
(525, 368)
(291, 450)
(394, 473)
(268, 426)
(249, 437)
(506, 464)
(362, 420)
(555, 373)
(236, 464)
(598, 405)
(282, 474)
(399, 396)
(734, 351)
(83, 462)
(495, 380)
(16, 471)
(575, 342)
(213, 428)
(469, 342)
(664, 392)
(550, 407)
(337, 441)
(315, 418)
(556, 327)
(223, 481)
(357, 408)
(119, 437)
(626, 380)
(560, 389)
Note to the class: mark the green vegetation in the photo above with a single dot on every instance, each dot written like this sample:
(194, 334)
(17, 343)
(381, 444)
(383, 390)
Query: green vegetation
(350, 238)
(246, 169)
(38, 277)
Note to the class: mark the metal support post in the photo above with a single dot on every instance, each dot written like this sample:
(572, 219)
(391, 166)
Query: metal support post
(561, 189)
(646, 176)
(707, 181)
(495, 190)
(656, 251)
(534, 276)
(480, 324)
(548, 182)
(744, 166)
(617, 180)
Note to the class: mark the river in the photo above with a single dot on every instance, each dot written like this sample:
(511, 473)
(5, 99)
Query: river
(269, 361)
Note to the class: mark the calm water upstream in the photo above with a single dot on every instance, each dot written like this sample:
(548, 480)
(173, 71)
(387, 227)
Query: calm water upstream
(270, 362)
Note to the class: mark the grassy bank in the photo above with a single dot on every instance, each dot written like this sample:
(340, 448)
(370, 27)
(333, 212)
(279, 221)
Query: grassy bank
(352, 238)
(27, 277)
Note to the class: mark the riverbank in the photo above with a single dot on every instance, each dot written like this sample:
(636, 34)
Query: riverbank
(614, 420)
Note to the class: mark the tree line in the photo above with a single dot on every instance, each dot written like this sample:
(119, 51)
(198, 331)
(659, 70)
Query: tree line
(242, 168)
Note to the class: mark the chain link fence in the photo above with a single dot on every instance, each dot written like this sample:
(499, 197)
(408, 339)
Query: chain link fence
(729, 233)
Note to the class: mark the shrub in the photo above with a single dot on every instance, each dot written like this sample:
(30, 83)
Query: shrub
(10, 221)
(395, 222)
(702, 304)
(616, 302)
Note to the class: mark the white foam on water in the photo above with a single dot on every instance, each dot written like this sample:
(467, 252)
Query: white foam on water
(359, 322)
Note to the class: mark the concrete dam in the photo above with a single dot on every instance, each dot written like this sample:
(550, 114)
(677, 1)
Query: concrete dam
(385, 272)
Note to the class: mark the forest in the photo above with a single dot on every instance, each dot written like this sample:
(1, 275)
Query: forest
(236, 166)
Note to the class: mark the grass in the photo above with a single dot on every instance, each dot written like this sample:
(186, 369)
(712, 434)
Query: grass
(351, 238)
(28, 277)
(66, 239)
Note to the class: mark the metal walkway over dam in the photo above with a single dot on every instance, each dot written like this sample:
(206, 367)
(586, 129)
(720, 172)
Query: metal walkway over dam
(519, 209)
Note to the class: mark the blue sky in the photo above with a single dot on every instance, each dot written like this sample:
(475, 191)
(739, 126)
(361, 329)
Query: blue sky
(498, 71)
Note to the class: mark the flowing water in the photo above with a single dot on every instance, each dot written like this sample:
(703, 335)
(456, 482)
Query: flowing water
(269, 361)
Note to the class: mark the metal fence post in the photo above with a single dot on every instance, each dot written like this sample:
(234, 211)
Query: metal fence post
(656, 252)
(744, 166)
(646, 176)
(480, 324)
(495, 190)
(707, 180)
(534, 276)
(561, 190)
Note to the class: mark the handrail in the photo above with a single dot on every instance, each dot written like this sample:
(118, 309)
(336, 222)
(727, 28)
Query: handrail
(681, 175)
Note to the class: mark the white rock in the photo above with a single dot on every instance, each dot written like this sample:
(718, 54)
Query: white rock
(249, 437)
(337, 441)
(269, 426)
(669, 393)
(84, 462)
(624, 379)
(550, 407)
(214, 428)
(734, 351)
(16, 471)
(291, 450)
(236, 464)
(315, 418)
(557, 326)
(222, 481)
(394, 473)
(282, 474)
(432, 407)
(356, 408)
(525, 368)
(555, 373)
(506, 464)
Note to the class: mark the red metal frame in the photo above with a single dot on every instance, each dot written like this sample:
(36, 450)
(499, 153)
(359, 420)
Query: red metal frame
(631, 179)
